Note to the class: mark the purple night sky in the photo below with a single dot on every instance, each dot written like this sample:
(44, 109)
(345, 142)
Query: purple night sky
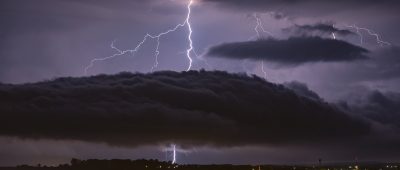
(342, 53)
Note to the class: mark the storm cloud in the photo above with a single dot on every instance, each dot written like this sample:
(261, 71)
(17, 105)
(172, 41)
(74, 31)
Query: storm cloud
(224, 113)
(192, 108)
(292, 51)
(302, 90)
(312, 6)
(382, 107)
(319, 28)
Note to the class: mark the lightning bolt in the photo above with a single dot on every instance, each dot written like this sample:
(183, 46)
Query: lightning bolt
(333, 33)
(173, 154)
(259, 26)
(370, 32)
(157, 38)
(187, 21)
(172, 148)
(262, 69)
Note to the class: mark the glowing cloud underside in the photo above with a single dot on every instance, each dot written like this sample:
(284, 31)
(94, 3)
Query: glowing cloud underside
(157, 37)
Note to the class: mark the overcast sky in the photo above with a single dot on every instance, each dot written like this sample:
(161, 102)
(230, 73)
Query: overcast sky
(315, 43)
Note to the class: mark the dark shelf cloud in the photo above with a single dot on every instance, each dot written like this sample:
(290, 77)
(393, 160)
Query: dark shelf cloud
(292, 51)
(190, 108)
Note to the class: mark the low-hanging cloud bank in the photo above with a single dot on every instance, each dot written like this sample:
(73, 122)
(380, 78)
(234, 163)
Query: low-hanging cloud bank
(292, 51)
(190, 108)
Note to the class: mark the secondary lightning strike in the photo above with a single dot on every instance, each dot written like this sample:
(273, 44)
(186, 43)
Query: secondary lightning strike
(115, 48)
(172, 148)
(333, 33)
(157, 53)
(262, 69)
(157, 38)
(259, 26)
(370, 32)
(174, 154)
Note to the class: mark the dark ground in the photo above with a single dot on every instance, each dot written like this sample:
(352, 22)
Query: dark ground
(117, 164)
